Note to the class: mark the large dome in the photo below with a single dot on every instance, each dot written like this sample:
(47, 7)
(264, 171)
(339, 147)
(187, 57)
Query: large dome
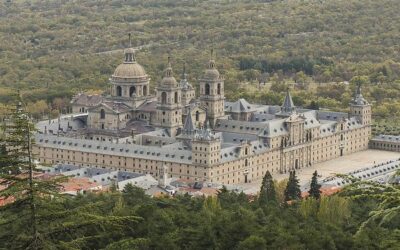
(129, 70)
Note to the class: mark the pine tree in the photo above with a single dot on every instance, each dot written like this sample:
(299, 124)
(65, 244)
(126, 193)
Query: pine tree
(267, 192)
(37, 218)
(292, 191)
(314, 186)
(17, 170)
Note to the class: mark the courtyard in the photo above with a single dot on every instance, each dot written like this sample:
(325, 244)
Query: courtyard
(341, 165)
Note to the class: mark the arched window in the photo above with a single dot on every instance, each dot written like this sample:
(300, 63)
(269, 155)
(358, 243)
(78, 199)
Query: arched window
(197, 116)
(119, 91)
(102, 114)
(246, 162)
(163, 98)
(132, 90)
(246, 151)
(176, 97)
(207, 90)
(144, 90)
(219, 89)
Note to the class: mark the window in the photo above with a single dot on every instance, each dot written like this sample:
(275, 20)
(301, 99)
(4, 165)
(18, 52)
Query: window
(163, 98)
(144, 90)
(132, 91)
(219, 89)
(119, 91)
(176, 97)
(102, 114)
(197, 116)
(207, 90)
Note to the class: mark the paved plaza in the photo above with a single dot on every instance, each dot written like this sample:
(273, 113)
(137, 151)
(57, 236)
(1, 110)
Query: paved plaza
(341, 165)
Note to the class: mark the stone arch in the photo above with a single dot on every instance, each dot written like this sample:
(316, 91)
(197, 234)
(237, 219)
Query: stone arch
(132, 91)
(163, 98)
(207, 89)
(119, 91)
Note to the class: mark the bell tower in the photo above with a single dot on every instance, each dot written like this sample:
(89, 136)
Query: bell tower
(212, 92)
(360, 108)
(169, 108)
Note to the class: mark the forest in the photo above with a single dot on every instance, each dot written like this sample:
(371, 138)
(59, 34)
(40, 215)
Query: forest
(50, 50)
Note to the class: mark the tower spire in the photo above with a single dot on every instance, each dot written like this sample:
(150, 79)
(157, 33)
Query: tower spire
(184, 71)
(188, 127)
(288, 105)
(168, 70)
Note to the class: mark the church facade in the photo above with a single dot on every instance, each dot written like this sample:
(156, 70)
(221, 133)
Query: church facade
(206, 138)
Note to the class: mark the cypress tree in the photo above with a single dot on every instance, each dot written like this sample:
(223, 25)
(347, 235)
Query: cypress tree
(314, 186)
(267, 192)
(292, 191)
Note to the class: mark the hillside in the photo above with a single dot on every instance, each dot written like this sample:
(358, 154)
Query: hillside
(51, 48)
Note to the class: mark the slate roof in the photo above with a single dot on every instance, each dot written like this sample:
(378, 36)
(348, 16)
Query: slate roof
(87, 100)
(117, 149)
(387, 138)
(148, 106)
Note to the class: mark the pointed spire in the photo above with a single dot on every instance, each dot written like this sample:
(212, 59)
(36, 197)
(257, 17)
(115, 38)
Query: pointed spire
(130, 52)
(358, 98)
(211, 64)
(188, 127)
(168, 70)
(184, 75)
(288, 105)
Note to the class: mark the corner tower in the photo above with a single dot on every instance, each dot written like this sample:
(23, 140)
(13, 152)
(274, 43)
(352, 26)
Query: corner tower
(169, 108)
(212, 92)
(206, 151)
(360, 108)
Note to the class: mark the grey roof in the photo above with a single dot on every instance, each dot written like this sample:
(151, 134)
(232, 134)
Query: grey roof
(387, 138)
(288, 105)
(232, 153)
(65, 123)
(117, 149)
(236, 138)
(368, 173)
(239, 106)
(87, 100)
(117, 107)
(331, 115)
(148, 106)
(243, 127)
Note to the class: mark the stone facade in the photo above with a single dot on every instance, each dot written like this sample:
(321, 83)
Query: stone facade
(206, 139)
(386, 142)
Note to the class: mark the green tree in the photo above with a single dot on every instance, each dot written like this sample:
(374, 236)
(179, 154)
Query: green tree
(267, 192)
(314, 186)
(17, 175)
(292, 191)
